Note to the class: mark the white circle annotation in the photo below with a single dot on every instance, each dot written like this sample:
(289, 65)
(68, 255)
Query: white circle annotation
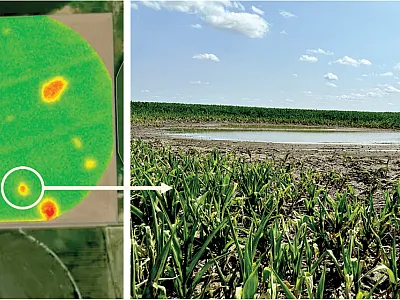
(17, 206)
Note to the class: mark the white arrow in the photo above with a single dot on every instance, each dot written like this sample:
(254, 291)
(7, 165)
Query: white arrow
(162, 188)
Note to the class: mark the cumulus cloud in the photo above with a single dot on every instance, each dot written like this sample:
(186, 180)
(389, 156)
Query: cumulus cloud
(257, 10)
(331, 84)
(199, 82)
(378, 92)
(364, 75)
(145, 91)
(218, 14)
(389, 88)
(364, 62)
(134, 5)
(352, 96)
(392, 89)
(284, 32)
(358, 96)
(387, 74)
(234, 4)
(319, 51)
(295, 75)
(195, 26)
(397, 67)
(206, 56)
(330, 77)
(287, 14)
(346, 60)
(311, 59)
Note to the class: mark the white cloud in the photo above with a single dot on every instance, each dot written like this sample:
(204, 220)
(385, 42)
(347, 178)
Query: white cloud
(389, 88)
(358, 95)
(359, 79)
(364, 62)
(346, 60)
(195, 26)
(145, 91)
(295, 75)
(330, 77)
(206, 56)
(287, 14)
(257, 10)
(319, 51)
(386, 74)
(234, 4)
(218, 14)
(364, 75)
(306, 92)
(152, 4)
(284, 32)
(311, 59)
(352, 96)
(345, 97)
(199, 82)
(376, 93)
(134, 5)
(392, 89)
(331, 84)
(397, 67)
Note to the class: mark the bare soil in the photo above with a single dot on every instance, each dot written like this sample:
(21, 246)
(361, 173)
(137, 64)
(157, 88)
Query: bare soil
(364, 166)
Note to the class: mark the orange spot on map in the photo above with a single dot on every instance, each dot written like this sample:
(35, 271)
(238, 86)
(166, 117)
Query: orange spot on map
(48, 208)
(23, 189)
(52, 90)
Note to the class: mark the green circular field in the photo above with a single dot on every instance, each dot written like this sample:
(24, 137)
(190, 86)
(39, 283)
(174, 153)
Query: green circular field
(55, 116)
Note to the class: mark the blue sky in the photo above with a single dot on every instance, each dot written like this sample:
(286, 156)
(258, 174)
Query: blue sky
(332, 55)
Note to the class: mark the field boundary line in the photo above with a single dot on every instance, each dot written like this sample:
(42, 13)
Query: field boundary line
(52, 253)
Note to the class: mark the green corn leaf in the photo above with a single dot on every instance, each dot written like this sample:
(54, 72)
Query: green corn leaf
(196, 258)
(251, 284)
(319, 294)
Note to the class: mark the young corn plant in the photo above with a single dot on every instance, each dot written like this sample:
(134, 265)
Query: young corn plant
(249, 268)
(250, 228)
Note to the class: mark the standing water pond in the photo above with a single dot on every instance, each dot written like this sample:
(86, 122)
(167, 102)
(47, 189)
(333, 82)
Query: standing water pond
(323, 136)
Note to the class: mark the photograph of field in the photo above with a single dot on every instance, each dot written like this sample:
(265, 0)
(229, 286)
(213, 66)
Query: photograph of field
(279, 136)
(72, 256)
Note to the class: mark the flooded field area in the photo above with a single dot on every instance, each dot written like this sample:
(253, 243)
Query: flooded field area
(296, 136)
